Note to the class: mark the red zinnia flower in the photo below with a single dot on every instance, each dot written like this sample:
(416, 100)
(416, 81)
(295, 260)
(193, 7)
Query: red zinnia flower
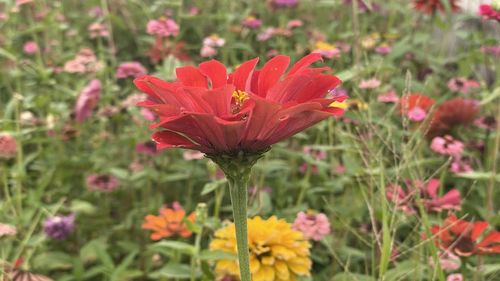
(415, 102)
(489, 12)
(463, 238)
(248, 110)
(450, 114)
(432, 6)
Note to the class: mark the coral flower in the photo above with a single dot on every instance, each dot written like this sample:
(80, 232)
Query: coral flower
(277, 252)
(462, 238)
(168, 223)
(246, 111)
(415, 106)
(433, 6)
(490, 12)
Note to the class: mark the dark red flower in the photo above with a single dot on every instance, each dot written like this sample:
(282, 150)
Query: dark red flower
(450, 114)
(248, 110)
(465, 238)
(489, 12)
(433, 6)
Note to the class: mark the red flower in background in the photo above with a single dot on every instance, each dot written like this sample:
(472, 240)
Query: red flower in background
(463, 238)
(433, 6)
(450, 114)
(413, 103)
(489, 12)
(248, 110)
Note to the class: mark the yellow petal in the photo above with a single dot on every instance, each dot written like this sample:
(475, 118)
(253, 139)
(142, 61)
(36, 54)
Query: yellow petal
(282, 270)
(266, 273)
(300, 266)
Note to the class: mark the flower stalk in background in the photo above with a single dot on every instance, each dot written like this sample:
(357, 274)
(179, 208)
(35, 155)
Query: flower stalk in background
(234, 119)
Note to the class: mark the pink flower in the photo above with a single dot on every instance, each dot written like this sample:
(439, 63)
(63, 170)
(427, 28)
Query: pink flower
(462, 85)
(30, 47)
(294, 24)
(148, 114)
(87, 100)
(8, 146)
(147, 148)
(84, 62)
(492, 50)
(405, 199)
(389, 97)
(98, 29)
(207, 51)
(251, 22)
(326, 50)
(130, 69)
(103, 183)
(447, 260)
(163, 27)
(23, 2)
(266, 34)
(417, 114)
(447, 145)
(313, 226)
(369, 84)
(491, 12)
(486, 122)
(456, 276)
(7, 230)
(459, 166)
(383, 49)
(133, 100)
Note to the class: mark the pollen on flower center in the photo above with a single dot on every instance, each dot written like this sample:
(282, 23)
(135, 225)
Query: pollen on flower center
(239, 97)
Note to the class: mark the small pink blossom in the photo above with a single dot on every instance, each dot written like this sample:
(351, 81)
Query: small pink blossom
(97, 30)
(103, 183)
(447, 145)
(417, 114)
(389, 97)
(369, 84)
(163, 27)
(294, 24)
(461, 165)
(462, 85)
(7, 230)
(266, 34)
(383, 49)
(130, 69)
(486, 122)
(456, 276)
(30, 47)
(133, 100)
(492, 50)
(210, 45)
(87, 100)
(313, 226)
(251, 22)
(207, 51)
(84, 62)
(8, 146)
(148, 114)
(447, 260)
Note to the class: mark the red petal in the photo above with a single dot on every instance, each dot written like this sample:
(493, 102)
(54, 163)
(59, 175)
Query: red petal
(303, 63)
(432, 188)
(191, 76)
(241, 78)
(271, 73)
(478, 229)
(488, 243)
(215, 71)
(219, 100)
(169, 139)
(155, 87)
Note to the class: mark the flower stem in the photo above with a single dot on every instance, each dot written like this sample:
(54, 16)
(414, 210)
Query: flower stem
(238, 190)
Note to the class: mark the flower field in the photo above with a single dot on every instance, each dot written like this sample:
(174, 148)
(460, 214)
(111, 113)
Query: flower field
(264, 140)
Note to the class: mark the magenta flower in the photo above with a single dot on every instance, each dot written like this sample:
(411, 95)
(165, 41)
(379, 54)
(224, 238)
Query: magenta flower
(251, 22)
(59, 227)
(163, 27)
(103, 183)
(447, 145)
(383, 49)
(313, 226)
(130, 69)
(405, 199)
(87, 100)
(492, 50)
(389, 97)
(8, 146)
(369, 84)
(285, 3)
(147, 148)
(30, 47)
(491, 12)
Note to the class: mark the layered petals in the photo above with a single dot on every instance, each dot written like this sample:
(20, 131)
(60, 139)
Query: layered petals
(209, 110)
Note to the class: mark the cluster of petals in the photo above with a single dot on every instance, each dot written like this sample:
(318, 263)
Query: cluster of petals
(130, 69)
(163, 27)
(209, 110)
(313, 226)
(415, 106)
(84, 62)
(168, 223)
(447, 145)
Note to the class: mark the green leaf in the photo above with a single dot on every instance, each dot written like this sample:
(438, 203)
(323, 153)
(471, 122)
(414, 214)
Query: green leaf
(88, 252)
(175, 245)
(172, 270)
(84, 207)
(479, 176)
(216, 255)
(53, 261)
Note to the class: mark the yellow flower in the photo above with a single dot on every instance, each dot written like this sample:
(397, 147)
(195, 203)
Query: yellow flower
(357, 104)
(324, 46)
(277, 252)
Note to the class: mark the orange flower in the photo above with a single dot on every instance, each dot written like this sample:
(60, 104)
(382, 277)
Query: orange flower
(168, 223)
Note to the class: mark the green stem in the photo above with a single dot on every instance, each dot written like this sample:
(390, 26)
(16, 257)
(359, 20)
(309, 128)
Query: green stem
(238, 191)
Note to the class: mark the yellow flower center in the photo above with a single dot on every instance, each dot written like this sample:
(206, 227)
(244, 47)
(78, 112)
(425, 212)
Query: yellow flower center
(342, 105)
(324, 46)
